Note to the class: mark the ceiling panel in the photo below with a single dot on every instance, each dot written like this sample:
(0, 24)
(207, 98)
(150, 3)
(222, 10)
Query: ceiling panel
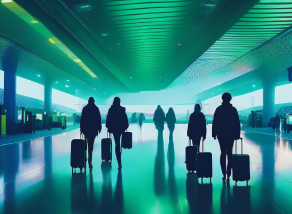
(260, 25)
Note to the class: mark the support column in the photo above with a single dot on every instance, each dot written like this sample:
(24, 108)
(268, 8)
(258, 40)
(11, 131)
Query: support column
(269, 83)
(9, 64)
(48, 106)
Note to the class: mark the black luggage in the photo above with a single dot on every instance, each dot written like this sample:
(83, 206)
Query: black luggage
(78, 154)
(191, 154)
(127, 140)
(204, 164)
(240, 166)
(106, 149)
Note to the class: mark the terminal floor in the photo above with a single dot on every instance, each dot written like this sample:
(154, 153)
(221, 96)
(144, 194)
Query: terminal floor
(8, 139)
(35, 177)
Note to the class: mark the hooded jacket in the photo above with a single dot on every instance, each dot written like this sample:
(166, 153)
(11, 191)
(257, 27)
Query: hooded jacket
(117, 120)
(90, 122)
(226, 122)
(197, 125)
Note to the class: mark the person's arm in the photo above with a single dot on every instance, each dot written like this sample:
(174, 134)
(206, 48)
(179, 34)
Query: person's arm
(99, 120)
(236, 125)
(214, 124)
(82, 121)
(204, 127)
(190, 125)
(126, 121)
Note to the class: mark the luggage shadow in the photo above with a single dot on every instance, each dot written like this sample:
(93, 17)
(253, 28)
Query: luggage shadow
(199, 196)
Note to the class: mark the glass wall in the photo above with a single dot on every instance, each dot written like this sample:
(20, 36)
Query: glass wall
(67, 100)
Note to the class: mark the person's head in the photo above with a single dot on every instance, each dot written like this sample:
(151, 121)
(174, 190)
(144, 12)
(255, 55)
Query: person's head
(197, 107)
(170, 110)
(91, 100)
(158, 107)
(117, 101)
(226, 97)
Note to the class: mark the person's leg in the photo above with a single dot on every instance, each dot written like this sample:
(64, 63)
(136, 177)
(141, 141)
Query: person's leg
(117, 137)
(229, 155)
(223, 157)
(90, 142)
(196, 142)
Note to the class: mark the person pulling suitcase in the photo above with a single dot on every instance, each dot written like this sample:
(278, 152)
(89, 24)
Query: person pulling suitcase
(226, 127)
(90, 126)
(117, 122)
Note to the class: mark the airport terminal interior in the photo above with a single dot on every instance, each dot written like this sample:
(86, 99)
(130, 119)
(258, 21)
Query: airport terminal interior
(56, 54)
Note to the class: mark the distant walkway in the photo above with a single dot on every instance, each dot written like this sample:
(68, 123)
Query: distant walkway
(11, 139)
(267, 131)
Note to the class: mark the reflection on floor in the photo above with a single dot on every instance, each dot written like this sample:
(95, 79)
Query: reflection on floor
(35, 177)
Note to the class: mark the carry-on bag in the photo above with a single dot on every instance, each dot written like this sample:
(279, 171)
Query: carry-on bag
(204, 164)
(106, 148)
(191, 153)
(78, 153)
(127, 140)
(240, 166)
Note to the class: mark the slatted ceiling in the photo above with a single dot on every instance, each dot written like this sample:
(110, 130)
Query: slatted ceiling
(263, 22)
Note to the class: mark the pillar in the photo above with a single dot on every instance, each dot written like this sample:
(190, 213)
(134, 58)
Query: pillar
(48, 107)
(268, 83)
(9, 65)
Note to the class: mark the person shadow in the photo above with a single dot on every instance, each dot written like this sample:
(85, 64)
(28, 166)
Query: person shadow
(237, 201)
(119, 195)
(171, 176)
(78, 196)
(159, 166)
(199, 196)
(106, 193)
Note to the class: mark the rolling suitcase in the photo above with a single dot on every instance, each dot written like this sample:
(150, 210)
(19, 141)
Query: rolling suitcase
(191, 153)
(78, 154)
(127, 140)
(106, 148)
(240, 166)
(204, 164)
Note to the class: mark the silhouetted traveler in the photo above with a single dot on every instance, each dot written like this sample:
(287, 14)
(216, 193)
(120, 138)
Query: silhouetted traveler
(159, 118)
(90, 125)
(117, 122)
(197, 126)
(170, 119)
(141, 118)
(226, 127)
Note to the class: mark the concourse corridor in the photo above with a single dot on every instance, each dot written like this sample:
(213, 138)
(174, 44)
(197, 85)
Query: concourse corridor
(35, 177)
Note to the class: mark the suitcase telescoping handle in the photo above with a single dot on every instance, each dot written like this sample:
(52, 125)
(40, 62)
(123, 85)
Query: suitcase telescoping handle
(236, 146)
(190, 143)
(202, 145)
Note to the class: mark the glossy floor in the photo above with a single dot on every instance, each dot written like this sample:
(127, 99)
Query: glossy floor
(35, 177)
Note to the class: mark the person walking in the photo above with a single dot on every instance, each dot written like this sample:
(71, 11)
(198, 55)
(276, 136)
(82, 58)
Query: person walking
(117, 122)
(226, 127)
(90, 126)
(197, 126)
(170, 120)
(159, 118)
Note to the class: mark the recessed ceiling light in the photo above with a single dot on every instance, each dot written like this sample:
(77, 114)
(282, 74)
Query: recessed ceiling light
(220, 89)
(56, 82)
(67, 86)
(179, 44)
(77, 60)
(39, 75)
(253, 86)
(52, 41)
(67, 80)
(94, 88)
(6, 1)
(34, 22)
(212, 93)
(131, 77)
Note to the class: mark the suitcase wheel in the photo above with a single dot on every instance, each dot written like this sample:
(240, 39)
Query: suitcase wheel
(80, 169)
(109, 161)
